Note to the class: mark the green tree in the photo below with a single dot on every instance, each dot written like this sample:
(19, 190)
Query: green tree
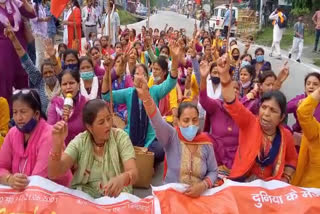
(303, 4)
(152, 3)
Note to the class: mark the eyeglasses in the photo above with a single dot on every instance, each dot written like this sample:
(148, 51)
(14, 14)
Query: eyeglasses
(25, 92)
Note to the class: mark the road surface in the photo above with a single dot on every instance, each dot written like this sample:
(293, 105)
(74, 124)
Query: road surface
(293, 86)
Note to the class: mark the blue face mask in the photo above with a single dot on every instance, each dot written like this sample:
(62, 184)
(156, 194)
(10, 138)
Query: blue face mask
(87, 75)
(28, 127)
(189, 132)
(70, 66)
(245, 63)
(260, 58)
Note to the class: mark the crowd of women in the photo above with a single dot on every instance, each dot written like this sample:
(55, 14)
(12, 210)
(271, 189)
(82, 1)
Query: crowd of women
(200, 104)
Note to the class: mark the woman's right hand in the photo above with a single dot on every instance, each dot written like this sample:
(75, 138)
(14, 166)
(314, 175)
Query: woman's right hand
(18, 181)
(141, 85)
(66, 112)
(60, 132)
(8, 32)
(49, 47)
(107, 63)
(316, 94)
(204, 68)
(223, 65)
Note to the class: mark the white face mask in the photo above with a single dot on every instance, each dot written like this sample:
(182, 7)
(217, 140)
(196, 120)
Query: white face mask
(157, 79)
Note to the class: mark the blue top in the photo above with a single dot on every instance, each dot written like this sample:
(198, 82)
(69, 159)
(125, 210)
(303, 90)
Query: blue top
(157, 92)
(226, 18)
(35, 80)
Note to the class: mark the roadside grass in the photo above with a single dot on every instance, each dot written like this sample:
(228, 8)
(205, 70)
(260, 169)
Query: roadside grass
(266, 35)
(316, 62)
(126, 18)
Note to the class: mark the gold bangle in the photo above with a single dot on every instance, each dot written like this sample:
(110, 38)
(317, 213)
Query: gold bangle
(8, 177)
(205, 184)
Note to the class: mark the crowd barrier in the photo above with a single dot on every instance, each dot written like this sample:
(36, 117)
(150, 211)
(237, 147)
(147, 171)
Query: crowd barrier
(45, 197)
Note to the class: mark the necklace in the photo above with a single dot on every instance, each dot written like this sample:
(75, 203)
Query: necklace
(269, 137)
(191, 161)
(99, 146)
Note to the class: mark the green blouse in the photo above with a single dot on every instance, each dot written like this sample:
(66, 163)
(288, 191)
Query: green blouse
(94, 172)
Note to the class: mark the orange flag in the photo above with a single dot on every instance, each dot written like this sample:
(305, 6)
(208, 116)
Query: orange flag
(57, 7)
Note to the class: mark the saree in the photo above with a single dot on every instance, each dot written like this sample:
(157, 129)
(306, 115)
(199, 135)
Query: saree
(200, 139)
(117, 150)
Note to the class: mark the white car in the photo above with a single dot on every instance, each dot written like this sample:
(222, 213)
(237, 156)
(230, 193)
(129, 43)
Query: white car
(216, 21)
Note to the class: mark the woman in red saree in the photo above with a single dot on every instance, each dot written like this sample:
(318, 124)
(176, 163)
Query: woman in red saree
(266, 149)
(72, 25)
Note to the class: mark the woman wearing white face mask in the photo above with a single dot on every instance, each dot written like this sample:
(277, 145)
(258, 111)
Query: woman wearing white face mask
(89, 82)
(169, 104)
(189, 153)
(247, 75)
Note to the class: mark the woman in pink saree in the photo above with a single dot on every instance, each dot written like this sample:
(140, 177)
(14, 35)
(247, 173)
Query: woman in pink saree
(27, 146)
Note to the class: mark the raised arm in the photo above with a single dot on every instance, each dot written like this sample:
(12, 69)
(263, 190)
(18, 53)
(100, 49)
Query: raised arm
(8, 32)
(207, 103)
(274, 15)
(107, 64)
(195, 64)
(237, 111)
(27, 9)
(228, 92)
(164, 131)
(59, 162)
(164, 88)
(282, 76)
(147, 43)
(51, 52)
(309, 125)
(32, 71)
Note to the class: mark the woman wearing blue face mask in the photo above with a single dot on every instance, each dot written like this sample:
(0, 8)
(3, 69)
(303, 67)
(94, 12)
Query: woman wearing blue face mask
(190, 157)
(27, 145)
(259, 63)
(90, 86)
(70, 60)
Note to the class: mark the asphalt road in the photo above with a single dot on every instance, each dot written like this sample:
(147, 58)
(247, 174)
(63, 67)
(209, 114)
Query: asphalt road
(293, 86)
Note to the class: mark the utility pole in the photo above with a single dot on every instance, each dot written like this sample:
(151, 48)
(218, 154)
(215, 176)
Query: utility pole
(148, 21)
(260, 15)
